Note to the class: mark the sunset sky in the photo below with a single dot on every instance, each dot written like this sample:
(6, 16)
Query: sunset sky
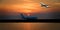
(29, 5)
(15, 7)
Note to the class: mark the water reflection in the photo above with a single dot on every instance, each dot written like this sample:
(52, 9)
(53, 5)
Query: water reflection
(29, 26)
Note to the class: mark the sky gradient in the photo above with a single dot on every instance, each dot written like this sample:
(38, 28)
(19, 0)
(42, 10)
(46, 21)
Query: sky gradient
(29, 5)
(14, 7)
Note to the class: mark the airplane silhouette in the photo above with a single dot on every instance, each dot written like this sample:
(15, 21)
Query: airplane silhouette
(44, 5)
(28, 17)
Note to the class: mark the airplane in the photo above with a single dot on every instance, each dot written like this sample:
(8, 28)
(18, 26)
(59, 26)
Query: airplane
(44, 5)
(27, 17)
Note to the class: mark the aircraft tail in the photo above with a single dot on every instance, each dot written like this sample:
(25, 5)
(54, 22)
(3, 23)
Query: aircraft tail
(22, 16)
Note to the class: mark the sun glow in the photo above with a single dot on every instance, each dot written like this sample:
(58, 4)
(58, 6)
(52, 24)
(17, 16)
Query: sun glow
(29, 8)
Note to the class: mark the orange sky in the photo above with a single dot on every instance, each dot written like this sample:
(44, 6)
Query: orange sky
(29, 6)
